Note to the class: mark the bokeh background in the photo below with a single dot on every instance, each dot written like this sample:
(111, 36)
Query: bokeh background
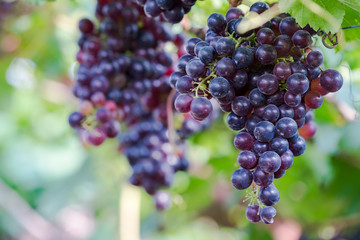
(50, 185)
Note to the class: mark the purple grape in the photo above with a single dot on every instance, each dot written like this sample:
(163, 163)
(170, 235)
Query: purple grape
(286, 127)
(225, 47)
(292, 100)
(241, 106)
(247, 159)
(286, 160)
(76, 118)
(219, 87)
(241, 179)
(265, 36)
(267, 84)
(183, 103)
(282, 70)
(216, 22)
(267, 214)
(190, 45)
(279, 173)
(260, 147)
(264, 131)
(279, 145)
(331, 80)
(302, 39)
(226, 67)
(195, 68)
(314, 59)
(256, 98)
(297, 146)
(235, 122)
(174, 15)
(283, 45)
(243, 141)
(200, 108)
(233, 13)
(185, 84)
(183, 60)
(269, 195)
(269, 161)
(271, 113)
(251, 122)
(243, 57)
(266, 54)
(199, 46)
(288, 26)
(252, 213)
(313, 100)
(259, 7)
(297, 83)
(207, 55)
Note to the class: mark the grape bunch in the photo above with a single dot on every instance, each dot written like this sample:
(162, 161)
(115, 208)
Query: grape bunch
(122, 84)
(171, 11)
(269, 80)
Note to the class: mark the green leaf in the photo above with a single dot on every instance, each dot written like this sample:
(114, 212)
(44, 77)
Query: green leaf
(352, 17)
(319, 14)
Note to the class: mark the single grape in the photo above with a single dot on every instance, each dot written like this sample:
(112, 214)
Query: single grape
(313, 100)
(316, 86)
(267, 214)
(266, 54)
(247, 159)
(185, 84)
(268, 84)
(264, 131)
(241, 106)
(286, 127)
(282, 70)
(260, 147)
(265, 36)
(199, 46)
(292, 100)
(288, 26)
(226, 67)
(259, 7)
(200, 108)
(235, 122)
(269, 195)
(243, 141)
(251, 122)
(243, 57)
(279, 145)
(302, 39)
(75, 119)
(297, 83)
(195, 68)
(183, 103)
(216, 22)
(286, 160)
(252, 213)
(256, 98)
(283, 45)
(225, 47)
(314, 59)
(219, 87)
(299, 111)
(241, 179)
(297, 146)
(269, 161)
(234, 13)
(279, 173)
(331, 80)
(190, 45)
(271, 113)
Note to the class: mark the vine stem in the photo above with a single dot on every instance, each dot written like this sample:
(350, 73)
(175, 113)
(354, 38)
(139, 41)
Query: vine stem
(170, 120)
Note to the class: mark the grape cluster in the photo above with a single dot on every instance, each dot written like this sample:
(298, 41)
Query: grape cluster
(269, 79)
(171, 11)
(122, 84)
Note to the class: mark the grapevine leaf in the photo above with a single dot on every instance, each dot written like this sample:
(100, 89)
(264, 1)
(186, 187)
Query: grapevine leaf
(319, 14)
(352, 17)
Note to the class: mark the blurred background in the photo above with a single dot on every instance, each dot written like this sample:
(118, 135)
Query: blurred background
(50, 185)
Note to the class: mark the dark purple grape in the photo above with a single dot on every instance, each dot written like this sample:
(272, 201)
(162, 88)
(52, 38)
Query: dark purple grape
(235, 122)
(174, 15)
(225, 46)
(261, 178)
(288, 26)
(271, 113)
(265, 36)
(313, 99)
(331, 80)
(252, 213)
(297, 67)
(309, 116)
(256, 98)
(279, 173)
(299, 111)
(253, 79)
(286, 127)
(267, 214)
(233, 13)
(275, 22)
(300, 122)
(264, 131)
(277, 98)
(226, 67)
(269, 195)
(185, 84)
(207, 55)
(243, 57)
(297, 83)
(243, 141)
(228, 97)
(292, 100)
(151, 8)
(76, 119)
(239, 80)
(216, 22)
(297, 146)
(269, 161)
(241, 106)
(103, 115)
(282, 70)
(183, 103)
(96, 138)
(302, 39)
(219, 87)
(279, 145)
(195, 68)
(283, 45)
(247, 159)
(266, 54)
(86, 26)
(241, 179)
(268, 84)
(286, 160)
(314, 59)
(201, 108)
(259, 7)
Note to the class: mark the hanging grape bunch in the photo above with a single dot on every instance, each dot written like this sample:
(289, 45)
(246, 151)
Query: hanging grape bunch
(269, 79)
(171, 11)
(122, 85)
